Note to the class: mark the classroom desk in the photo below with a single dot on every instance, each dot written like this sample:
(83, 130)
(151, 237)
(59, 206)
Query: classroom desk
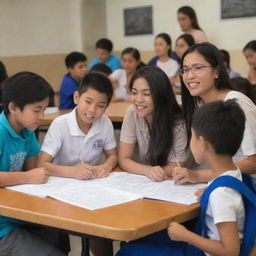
(115, 111)
(122, 222)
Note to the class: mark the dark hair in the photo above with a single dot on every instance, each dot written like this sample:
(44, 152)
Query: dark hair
(189, 39)
(244, 86)
(24, 88)
(135, 54)
(3, 72)
(73, 58)
(213, 56)
(190, 12)
(101, 68)
(104, 43)
(167, 39)
(222, 124)
(251, 45)
(226, 57)
(166, 113)
(97, 82)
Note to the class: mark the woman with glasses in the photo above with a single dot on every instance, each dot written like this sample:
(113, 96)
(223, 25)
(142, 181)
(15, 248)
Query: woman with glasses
(204, 79)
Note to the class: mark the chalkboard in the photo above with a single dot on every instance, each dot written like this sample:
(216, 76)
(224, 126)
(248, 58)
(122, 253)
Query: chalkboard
(138, 21)
(238, 8)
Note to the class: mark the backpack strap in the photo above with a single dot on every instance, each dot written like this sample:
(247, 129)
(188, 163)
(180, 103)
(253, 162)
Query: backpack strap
(249, 197)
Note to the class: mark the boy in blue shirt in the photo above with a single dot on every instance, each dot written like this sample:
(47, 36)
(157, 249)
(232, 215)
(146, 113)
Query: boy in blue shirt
(76, 64)
(104, 48)
(25, 97)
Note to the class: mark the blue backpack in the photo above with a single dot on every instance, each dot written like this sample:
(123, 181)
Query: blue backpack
(247, 189)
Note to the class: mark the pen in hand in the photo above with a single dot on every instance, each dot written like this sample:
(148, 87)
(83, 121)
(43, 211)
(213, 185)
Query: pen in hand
(83, 163)
(178, 164)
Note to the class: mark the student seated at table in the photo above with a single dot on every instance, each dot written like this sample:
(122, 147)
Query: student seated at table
(250, 54)
(102, 69)
(130, 60)
(104, 55)
(204, 79)
(155, 124)
(217, 132)
(75, 141)
(226, 58)
(25, 97)
(76, 63)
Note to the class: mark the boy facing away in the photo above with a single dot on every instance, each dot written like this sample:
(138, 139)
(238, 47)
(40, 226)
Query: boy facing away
(76, 63)
(217, 132)
(25, 97)
(104, 49)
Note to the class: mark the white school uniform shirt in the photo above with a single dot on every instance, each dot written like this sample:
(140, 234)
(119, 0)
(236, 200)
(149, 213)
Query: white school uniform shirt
(225, 205)
(66, 143)
(170, 67)
(121, 90)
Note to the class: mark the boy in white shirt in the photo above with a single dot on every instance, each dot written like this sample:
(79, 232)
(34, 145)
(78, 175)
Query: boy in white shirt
(217, 132)
(75, 141)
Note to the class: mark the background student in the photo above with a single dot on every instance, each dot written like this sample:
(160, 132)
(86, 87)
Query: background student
(3, 77)
(102, 69)
(163, 48)
(188, 23)
(130, 61)
(75, 141)
(183, 42)
(25, 97)
(204, 79)
(250, 55)
(226, 59)
(217, 132)
(155, 124)
(104, 55)
(76, 63)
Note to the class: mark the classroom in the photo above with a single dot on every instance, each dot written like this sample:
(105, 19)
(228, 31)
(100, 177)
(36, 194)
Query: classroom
(37, 36)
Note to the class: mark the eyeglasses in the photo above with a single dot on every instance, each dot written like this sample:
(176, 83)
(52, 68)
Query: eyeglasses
(197, 69)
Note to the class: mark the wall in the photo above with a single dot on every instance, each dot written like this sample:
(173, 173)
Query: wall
(230, 34)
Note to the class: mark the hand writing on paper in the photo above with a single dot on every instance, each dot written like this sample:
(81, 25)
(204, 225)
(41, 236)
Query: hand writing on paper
(182, 175)
(199, 193)
(176, 231)
(102, 171)
(82, 172)
(37, 175)
(156, 173)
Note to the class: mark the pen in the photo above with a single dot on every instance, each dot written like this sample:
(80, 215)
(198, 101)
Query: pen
(83, 163)
(175, 182)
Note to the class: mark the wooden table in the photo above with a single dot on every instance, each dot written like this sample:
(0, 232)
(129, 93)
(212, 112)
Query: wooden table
(115, 111)
(123, 222)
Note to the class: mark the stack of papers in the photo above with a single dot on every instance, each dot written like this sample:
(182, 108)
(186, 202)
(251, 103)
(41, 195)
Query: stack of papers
(117, 188)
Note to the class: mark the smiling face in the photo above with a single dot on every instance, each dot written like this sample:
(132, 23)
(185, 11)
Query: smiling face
(142, 99)
(30, 117)
(202, 83)
(250, 56)
(90, 107)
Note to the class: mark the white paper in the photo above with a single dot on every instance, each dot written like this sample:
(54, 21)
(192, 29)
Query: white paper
(51, 110)
(118, 187)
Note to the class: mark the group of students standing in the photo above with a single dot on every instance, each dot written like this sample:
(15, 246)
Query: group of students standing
(214, 123)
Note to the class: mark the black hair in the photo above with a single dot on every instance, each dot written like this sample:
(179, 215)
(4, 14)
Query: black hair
(3, 72)
(250, 45)
(213, 56)
(222, 124)
(24, 88)
(190, 12)
(167, 39)
(244, 86)
(189, 39)
(226, 57)
(135, 54)
(104, 43)
(97, 82)
(165, 115)
(101, 68)
(73, 58)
